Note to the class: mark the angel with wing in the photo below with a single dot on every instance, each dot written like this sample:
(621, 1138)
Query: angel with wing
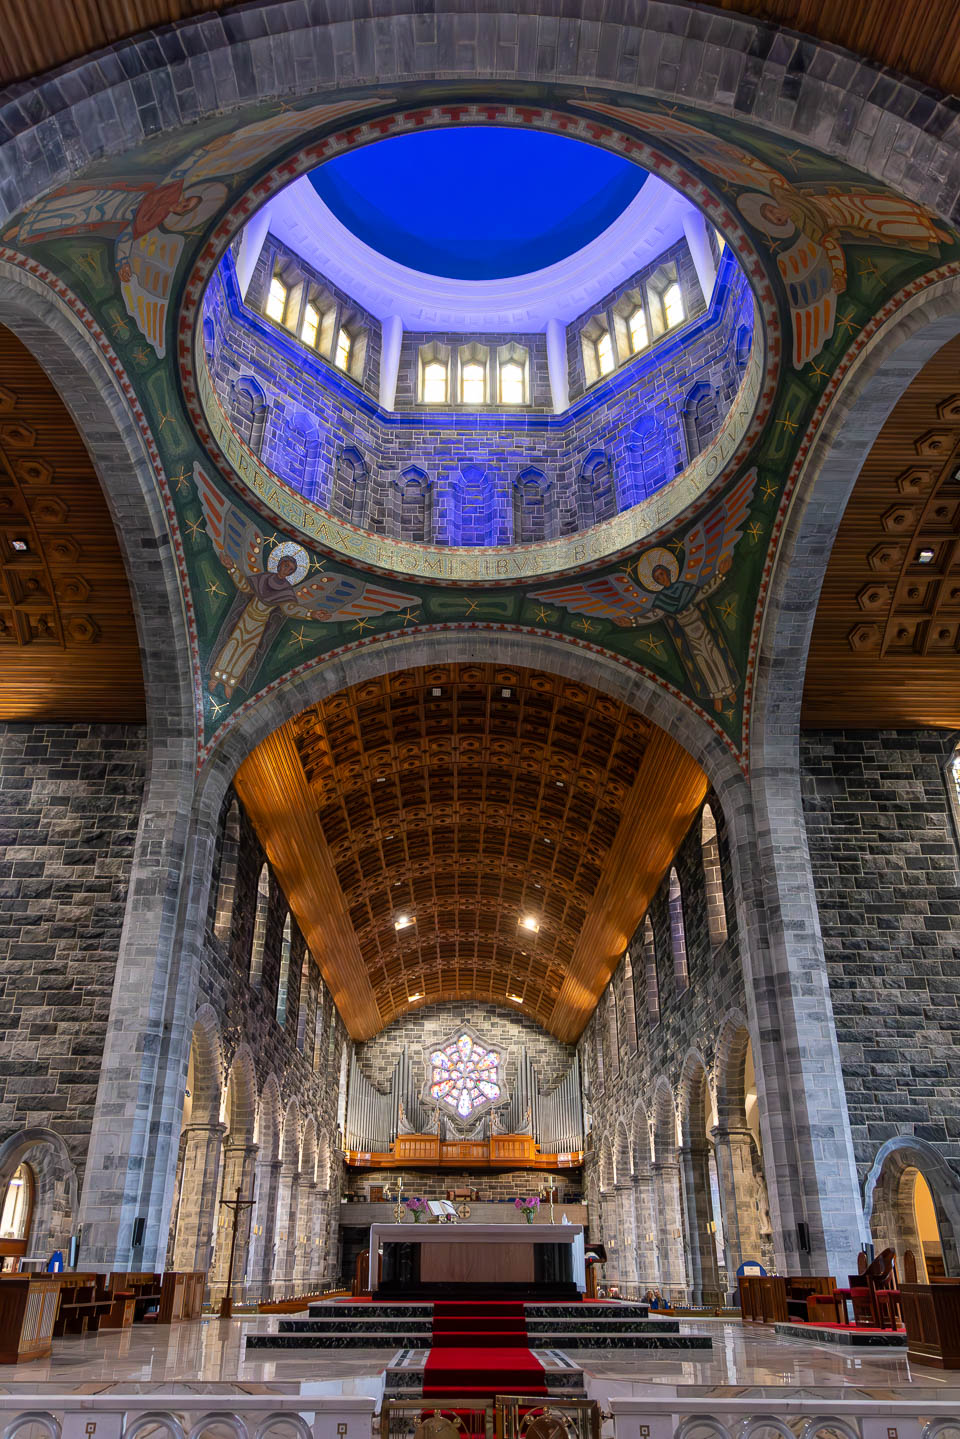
(269, 594)
(657, 589)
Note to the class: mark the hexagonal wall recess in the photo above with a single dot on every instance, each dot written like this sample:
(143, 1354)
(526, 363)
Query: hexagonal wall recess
(874, 597)
(936, 443)
(17, 435)
(886, 557)
(864, 638)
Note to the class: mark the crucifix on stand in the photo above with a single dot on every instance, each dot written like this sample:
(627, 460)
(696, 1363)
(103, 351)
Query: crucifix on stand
(238, 1205)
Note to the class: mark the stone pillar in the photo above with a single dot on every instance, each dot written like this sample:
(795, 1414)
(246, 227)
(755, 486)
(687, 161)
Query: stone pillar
(698, 240)
(666, 1180)
(199, 1193)
(627, 1235)
(741, 1215)
(305, 1263)
(288, 1200)
(704, 1274)
(259, 1284)
(391, 340)
(239, 1170)
(807, 1143)
(648, 1254)
(557, 365)
(251, 243)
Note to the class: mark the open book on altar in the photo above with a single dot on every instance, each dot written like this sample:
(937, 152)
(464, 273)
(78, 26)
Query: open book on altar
(443, 1210)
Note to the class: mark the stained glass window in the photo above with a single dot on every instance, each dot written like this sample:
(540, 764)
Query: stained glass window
(464, 1075)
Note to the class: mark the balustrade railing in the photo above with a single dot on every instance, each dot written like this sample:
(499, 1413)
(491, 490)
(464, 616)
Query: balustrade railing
(791, 1414)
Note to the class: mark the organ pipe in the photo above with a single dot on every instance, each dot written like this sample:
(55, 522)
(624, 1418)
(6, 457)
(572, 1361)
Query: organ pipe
(374, 1117)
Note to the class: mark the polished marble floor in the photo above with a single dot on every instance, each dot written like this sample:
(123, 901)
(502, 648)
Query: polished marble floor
(209, 1353)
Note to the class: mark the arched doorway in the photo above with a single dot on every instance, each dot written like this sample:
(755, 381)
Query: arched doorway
(16, 1213)
(913, 1206)
(38, 1197)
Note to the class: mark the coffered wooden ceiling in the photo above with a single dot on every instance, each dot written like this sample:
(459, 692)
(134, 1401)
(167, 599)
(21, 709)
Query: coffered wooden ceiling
(68, 641)
(464, 799)
(885, 651)
(917, 37)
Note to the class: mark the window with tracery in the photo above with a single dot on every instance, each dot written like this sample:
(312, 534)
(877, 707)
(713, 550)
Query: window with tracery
(637, 327)
(678, 933)
(341, 356)
(473, 383)
(435, 383)
(464, 1075)
(511, 383)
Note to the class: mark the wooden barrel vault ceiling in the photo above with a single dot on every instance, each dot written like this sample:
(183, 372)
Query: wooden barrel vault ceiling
(68, 640)
(416, 821)
(885, 651)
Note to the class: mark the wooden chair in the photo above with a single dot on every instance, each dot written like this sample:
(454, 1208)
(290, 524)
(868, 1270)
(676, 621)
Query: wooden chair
(881, 1277)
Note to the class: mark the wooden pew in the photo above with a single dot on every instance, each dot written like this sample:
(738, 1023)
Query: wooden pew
(84, 1304)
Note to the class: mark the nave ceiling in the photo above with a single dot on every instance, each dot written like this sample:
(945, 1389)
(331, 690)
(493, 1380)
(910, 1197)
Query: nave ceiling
(462, 800)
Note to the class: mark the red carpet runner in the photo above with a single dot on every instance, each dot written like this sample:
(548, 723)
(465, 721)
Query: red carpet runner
(480, 1349)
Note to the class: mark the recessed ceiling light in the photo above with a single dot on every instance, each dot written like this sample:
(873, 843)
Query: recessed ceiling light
(925, 557)
(412, 997)
(381, 779)
(529, 921)
(536, 885)
(436, 693)
(516, 998)
(404, 921)
(19, 545)
(559, 784)
(547, 841)
(506, 694)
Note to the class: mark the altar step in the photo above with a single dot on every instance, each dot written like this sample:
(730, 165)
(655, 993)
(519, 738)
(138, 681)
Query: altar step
(561, 1378)
(333, 1325)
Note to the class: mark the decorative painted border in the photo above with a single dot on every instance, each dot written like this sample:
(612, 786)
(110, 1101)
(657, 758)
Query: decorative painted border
(679, 501)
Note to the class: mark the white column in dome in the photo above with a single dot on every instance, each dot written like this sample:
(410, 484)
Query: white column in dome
(557, 364)
(695, 229)
(391, 332)
(251, 243)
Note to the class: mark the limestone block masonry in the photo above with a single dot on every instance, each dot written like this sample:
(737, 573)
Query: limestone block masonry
(68, 822)
(885, 863)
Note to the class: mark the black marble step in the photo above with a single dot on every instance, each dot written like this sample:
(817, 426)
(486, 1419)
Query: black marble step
(400, 1327)
(383, 1340)
(335, 1341)
(367, 1311)
(602, 1326)
(586, 1311)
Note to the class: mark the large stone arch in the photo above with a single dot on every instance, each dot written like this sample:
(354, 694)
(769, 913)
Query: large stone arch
(151, 1011)
(799, 87)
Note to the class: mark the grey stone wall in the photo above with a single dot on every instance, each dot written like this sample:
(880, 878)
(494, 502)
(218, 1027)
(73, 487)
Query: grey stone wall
(423, 1029)
(884, 853)
(248, 1012)
(449, 476)
(68, 822)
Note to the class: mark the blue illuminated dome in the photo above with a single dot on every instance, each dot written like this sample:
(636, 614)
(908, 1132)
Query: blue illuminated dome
(477, 203)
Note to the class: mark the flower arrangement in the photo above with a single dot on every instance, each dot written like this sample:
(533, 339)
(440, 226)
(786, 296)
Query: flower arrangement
(528, 1207)
(416, 1206)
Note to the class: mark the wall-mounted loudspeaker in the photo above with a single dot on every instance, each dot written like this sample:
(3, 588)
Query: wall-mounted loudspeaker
(139, 1225)
(803, 1237)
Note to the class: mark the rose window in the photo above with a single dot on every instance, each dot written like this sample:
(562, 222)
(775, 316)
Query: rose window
(464, 1075)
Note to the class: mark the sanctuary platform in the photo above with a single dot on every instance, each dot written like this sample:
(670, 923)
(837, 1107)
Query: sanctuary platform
(477, 1261)
(334, 1324)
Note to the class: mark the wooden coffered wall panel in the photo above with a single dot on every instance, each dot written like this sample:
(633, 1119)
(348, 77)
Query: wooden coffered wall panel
(918, 37)
(885, 650)
(68, 640)
(465, 798)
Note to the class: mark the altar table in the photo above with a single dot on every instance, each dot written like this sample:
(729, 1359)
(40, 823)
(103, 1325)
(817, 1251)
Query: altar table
(530, 1261)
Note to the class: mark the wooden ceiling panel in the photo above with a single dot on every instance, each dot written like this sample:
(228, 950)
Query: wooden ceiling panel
(416, 820)
(68, 639)
(917, 37)
(885, 650)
